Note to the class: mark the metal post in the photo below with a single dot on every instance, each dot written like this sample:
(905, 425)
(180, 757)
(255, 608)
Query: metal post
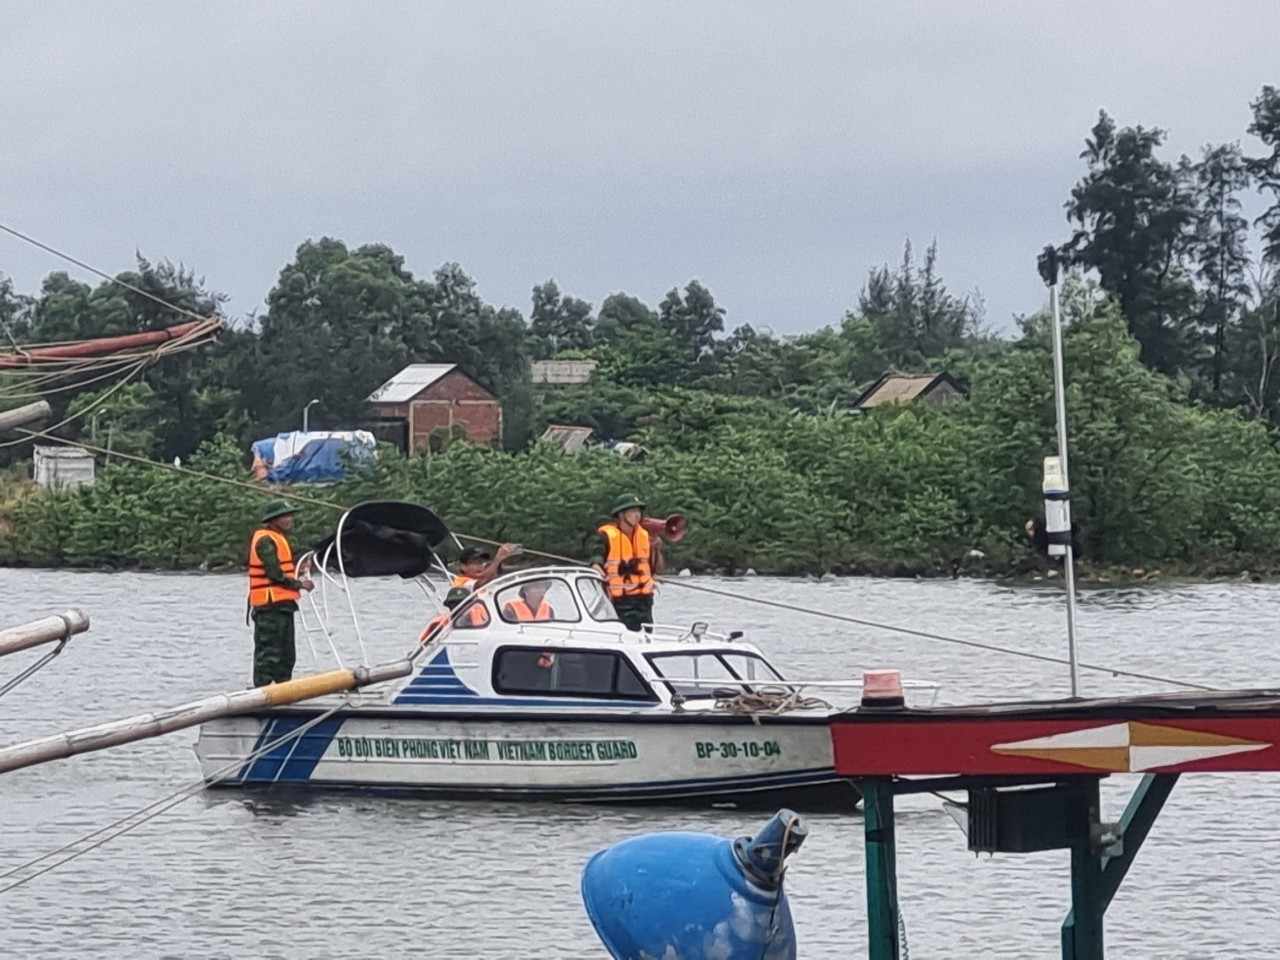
(1082, 932)
(882, 869)
(306, 412)
(1095, 878)
(1049, 271)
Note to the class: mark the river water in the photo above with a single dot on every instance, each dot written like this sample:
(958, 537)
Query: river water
(234, 875)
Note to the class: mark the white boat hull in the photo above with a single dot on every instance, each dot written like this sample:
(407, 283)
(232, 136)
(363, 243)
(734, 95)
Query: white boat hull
(692, 757)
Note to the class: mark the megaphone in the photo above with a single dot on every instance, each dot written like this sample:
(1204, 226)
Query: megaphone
(695, 895)
(672, 529)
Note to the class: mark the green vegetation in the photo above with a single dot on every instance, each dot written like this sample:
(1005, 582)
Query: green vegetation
(1172, 347)
(902, 491)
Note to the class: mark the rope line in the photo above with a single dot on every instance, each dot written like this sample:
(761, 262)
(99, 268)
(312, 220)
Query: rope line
(152, 810)
(927, 635)
(98, 401)
(35, 667)
(94, 270)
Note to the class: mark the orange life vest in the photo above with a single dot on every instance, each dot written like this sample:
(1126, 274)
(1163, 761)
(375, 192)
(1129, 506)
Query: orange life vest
(637, 580)
(476, 615)
(519, 611)
(262, 591)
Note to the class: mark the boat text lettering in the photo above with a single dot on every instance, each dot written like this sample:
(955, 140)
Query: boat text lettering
(511, 751)
(733, 749)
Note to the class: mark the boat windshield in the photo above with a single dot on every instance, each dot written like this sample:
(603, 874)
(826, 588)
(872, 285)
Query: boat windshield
(547, 600)
(709, 666)
(598, 604)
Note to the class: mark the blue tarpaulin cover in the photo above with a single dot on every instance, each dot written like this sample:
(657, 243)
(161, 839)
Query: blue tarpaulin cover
(315, 457)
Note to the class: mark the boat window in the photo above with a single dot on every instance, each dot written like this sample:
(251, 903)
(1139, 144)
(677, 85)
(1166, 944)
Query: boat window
(560, 672)
(749, 667)
(599, 606)
(549, 600)
(693, 666)
(473, 616)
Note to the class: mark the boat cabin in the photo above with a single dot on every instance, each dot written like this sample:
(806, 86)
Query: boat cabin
(550, 636)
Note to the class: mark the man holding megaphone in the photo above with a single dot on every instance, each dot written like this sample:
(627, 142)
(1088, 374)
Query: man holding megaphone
(630, 558)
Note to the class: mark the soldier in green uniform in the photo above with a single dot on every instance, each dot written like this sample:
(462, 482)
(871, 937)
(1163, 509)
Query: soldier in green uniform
(274, 590)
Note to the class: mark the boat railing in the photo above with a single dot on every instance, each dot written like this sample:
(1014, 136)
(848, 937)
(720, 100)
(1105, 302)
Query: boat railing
(923, 686)
(318, 612)
(663, 633)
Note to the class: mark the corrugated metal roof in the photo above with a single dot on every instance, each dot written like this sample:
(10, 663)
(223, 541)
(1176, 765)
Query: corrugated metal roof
(903, 388)
(898, 390)
(570, 439)
(409, 382)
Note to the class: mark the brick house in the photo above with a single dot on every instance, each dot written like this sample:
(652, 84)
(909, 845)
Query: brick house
(429, 397)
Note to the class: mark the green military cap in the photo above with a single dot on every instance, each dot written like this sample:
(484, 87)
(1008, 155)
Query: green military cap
(277, 508)
(625, 502)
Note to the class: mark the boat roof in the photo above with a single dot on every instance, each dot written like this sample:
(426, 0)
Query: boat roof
(660, 638)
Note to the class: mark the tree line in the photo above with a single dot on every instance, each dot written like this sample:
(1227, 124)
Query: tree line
(1166, 238)
(1178, 335)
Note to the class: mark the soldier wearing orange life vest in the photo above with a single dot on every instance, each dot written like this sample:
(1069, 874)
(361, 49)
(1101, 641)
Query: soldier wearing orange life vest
(476, 567)
(274, 589)
(531, 606)
(629, 559)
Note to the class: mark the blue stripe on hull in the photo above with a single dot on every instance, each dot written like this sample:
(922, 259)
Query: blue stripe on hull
(294, 760)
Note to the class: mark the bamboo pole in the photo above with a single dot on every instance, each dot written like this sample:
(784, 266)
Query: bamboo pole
(146, 725)
(101, 345)
(21, 416)
(45, 630)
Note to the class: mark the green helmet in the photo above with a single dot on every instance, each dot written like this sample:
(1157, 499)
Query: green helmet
(277, 508)
(625, 502)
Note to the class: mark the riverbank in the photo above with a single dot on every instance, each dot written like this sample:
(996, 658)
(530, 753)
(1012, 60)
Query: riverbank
(152, 518)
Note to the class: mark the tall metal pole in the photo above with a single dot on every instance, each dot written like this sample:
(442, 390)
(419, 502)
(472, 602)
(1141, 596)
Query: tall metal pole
(1049, 272)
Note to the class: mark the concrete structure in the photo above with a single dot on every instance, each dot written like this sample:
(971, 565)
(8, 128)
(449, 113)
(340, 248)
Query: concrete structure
(932, 388)
(62, 468)
(562, 372)
(431, 397)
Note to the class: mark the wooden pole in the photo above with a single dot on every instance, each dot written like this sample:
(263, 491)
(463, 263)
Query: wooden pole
(38, 632)
(185, 715)
(21, 416)
(103, 345)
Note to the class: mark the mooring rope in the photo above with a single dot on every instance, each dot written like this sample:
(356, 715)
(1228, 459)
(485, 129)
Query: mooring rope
(105, 276)
(927, 635)
(153, 809)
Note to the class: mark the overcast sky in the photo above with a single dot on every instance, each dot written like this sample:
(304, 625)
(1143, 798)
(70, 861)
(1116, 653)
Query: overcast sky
(775, 151)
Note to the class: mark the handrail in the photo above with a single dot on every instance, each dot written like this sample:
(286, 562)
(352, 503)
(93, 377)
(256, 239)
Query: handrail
(782, 682)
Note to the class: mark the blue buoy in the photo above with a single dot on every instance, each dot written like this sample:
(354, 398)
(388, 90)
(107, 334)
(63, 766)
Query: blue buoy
(695, 896)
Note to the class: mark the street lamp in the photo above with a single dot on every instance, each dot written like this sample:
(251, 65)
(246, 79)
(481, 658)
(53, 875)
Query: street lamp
(305, 411)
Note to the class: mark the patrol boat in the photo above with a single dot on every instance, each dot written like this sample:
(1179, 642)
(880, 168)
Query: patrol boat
(572, 706)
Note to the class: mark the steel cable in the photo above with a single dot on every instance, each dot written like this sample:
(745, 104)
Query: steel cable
(152, 810)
